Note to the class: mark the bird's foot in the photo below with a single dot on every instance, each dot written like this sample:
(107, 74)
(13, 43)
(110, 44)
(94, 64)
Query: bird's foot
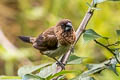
(61, 65)
(72, 49)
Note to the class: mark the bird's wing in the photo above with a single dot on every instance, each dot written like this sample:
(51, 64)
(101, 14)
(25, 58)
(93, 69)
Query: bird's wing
(46, 41)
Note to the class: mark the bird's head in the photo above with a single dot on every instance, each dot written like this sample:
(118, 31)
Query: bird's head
(65, 25)
(65, 32)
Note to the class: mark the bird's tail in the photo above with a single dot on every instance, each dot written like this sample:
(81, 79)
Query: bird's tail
(27, 39)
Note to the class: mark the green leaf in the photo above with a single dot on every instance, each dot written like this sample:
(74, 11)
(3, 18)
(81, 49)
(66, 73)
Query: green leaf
(117, 55)
(83, 78)
(114, 49)
(32, 77)
(61, 78)
(90, 35)
(92, 7)
(118, 42)
(73, 59)
(113, 0)
(47, 71)
(10, 77)
(113, 66)
(29, 69)
(92, 69)
(62, 73)
(98, 1)
(115, 44)
(118, 32)
(87, 78)
(106, 38)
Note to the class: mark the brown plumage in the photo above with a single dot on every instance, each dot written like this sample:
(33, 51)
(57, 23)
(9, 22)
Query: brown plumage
(55, 41)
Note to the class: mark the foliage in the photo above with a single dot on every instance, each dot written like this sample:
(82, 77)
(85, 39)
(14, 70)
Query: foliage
(47, 15)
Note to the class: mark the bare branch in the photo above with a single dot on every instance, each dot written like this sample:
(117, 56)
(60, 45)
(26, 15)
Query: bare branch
(108, 50)
(104, 47)
(79, 32)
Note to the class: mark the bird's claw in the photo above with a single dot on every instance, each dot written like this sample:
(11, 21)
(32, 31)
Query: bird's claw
(72, 49)
(61, 65)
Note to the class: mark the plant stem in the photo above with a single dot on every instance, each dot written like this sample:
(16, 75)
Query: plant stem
(104, 47)
(79, 32)
(115, 55)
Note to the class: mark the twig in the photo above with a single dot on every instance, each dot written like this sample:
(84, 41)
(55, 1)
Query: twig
(114, 44)
(105, 47)
(79, 32)
(108, 50)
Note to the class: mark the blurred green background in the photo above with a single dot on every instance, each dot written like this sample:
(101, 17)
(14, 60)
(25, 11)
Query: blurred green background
(31, 17)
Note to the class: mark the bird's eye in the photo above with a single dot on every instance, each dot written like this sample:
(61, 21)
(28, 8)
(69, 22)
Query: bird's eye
(62, 24)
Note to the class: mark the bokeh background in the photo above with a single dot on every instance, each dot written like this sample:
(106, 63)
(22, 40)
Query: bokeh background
(31, 17)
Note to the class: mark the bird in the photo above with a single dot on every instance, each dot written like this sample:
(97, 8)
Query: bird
(55, 41)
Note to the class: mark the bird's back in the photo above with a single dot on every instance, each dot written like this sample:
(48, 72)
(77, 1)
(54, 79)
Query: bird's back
(46, 40)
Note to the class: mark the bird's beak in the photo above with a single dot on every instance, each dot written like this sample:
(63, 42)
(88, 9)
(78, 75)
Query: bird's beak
(68, 26)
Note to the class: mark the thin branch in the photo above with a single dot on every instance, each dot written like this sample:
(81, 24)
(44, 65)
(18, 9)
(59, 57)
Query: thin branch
(79, 32)
(114, 44)
(108, 50)
(105, 47)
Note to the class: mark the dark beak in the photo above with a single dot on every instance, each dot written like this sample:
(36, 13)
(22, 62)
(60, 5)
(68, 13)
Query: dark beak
(68, 26)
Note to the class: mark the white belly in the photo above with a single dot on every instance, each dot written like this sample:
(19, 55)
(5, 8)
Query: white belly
(57, 52)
